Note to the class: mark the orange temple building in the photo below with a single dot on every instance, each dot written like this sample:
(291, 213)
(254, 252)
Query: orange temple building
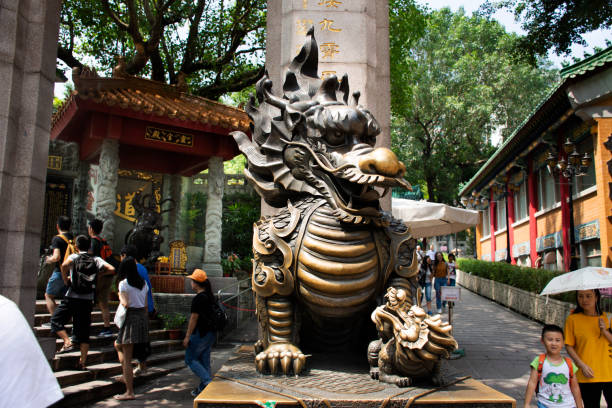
(523, 190)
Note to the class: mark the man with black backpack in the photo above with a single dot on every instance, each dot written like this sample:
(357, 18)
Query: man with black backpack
(99, 247)
(80, 273)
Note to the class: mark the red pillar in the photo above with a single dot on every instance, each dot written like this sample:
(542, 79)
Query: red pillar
(533, 208)
(565, 221)
(493, 222)
(510, 216)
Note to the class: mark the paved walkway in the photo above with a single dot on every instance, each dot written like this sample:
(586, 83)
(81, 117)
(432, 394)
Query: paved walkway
(499, 345)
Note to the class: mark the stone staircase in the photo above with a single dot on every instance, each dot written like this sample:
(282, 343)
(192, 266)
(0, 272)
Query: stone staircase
(103, 375)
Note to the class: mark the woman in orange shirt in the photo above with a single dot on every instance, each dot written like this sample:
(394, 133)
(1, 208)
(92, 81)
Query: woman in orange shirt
(440, 273)
(587, 340)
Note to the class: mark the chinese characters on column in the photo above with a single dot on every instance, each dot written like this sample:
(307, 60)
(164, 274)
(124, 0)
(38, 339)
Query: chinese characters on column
(328, 49)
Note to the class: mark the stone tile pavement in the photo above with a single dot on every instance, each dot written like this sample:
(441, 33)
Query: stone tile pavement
(499, 345)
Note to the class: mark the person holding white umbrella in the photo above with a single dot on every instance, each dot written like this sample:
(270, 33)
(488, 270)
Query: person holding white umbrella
(588, 340)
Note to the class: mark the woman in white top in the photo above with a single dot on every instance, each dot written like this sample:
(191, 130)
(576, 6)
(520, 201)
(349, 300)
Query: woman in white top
(135, 329)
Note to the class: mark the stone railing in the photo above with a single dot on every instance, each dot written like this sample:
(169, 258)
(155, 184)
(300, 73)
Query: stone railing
(537, 307)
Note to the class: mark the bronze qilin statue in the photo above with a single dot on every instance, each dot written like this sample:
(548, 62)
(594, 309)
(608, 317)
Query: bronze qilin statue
(322, 264)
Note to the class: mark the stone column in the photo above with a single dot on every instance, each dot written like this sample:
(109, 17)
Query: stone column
(214, 211)
(28, 48)
(79, 200)
(353, 38)
(106, 195)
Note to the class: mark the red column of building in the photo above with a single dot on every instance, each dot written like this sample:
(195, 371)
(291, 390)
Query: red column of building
(565, 223)
(493, 222)
(510, 216)
(533, 207)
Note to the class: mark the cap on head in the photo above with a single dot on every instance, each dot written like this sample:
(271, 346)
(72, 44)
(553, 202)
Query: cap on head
(198, 275)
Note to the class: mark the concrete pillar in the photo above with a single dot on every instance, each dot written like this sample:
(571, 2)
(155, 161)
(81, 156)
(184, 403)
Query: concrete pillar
(214, 212)
(353, 38)
(79, 200)
(106, 195)
(28, 47)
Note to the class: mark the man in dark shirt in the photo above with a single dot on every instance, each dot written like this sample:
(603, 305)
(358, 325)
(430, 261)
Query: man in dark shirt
(59, 244)
(103, 286)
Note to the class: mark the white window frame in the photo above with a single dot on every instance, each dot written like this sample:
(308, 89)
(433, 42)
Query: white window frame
(521, 203)
(486, 222)
(578, 182)
(544, 173)
(500, 215)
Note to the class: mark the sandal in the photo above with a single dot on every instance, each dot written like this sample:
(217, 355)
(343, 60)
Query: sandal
(82, 367)
(67, 349)
(123, 397)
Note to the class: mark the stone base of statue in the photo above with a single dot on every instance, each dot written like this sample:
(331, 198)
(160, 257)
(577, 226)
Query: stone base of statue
(335, 380)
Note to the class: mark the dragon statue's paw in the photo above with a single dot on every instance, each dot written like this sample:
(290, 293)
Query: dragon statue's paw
(280, 356)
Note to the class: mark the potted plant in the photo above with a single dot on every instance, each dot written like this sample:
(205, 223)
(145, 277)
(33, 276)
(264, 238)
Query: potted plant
(173, 323)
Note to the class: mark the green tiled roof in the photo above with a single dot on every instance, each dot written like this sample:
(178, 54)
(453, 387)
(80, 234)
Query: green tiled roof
(588, 64)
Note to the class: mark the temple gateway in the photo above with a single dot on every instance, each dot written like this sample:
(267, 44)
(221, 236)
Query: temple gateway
(122, 144)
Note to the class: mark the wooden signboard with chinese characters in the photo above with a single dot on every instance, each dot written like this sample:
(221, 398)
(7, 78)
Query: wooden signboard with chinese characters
(58, 201)
(178, 257)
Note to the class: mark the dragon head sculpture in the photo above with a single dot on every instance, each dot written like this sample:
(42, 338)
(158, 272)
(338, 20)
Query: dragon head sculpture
(313, 142)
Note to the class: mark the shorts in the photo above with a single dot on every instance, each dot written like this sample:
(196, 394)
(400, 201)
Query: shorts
(103, 288)
(56, 286)
(80, 312)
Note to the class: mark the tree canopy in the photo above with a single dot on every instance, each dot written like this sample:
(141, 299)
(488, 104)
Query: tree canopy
(217, 44)
(456, 87)
(553, 24)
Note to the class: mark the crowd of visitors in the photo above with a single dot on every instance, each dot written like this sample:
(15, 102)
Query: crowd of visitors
(84, 272)
(83, 276)
(436, 272)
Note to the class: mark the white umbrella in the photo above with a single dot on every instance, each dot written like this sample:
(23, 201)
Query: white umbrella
(427, 219)
(591, 277)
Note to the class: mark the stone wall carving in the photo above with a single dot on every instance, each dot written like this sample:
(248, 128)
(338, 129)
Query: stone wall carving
(106, 191)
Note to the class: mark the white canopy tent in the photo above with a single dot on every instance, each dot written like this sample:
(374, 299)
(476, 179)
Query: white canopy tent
(427, 219)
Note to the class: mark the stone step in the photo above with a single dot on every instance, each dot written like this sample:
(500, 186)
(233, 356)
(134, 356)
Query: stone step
(95, 390)
(41, 306)
(102, 371)
(96, 316)
(70, 361)
(97, 341)
(45, 331)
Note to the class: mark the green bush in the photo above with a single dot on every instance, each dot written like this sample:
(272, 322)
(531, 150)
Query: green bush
(240, 211)
(193, 215)
(522, 277)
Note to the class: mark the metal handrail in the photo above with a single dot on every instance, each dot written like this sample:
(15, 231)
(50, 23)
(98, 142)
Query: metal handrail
(232, 285)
